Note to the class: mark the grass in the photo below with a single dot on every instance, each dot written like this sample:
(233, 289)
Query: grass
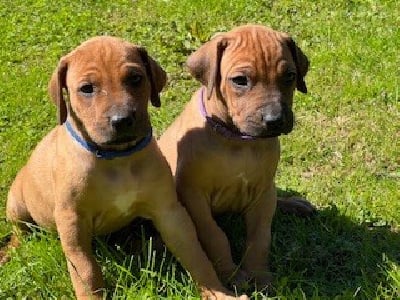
(343, 155)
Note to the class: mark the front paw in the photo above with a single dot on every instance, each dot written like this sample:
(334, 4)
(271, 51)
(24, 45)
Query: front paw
(259, 280)
(218, 295)
(262, 280)
(4, 257)
(239, 281)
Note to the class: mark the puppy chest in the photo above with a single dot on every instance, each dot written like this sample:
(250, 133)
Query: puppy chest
(231, 184)
(235, 194)
(124, 202)
(117, 187)
(115, 195)
(114, 210)
(241, 172)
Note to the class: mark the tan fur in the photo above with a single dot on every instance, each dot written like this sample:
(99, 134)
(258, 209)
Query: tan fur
(65, 187)
(216, 174)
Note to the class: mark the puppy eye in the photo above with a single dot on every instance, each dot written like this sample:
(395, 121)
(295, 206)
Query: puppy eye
(87, 89)
(240, 81)
(134, 79)
(290, 77)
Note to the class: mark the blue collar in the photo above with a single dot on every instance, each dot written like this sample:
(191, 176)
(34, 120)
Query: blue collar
(104, 154)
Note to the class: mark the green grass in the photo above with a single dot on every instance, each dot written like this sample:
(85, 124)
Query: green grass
(343, 155)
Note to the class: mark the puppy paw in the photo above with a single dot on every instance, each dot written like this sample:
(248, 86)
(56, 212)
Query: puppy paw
(218, 295)
(263, 281)
(296, 206)
(260, 280)
(4, 257)
(240, 281)
(11, 242)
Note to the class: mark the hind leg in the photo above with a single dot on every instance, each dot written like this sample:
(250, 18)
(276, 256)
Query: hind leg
(11, 244)
(18, 214)
(16, 209)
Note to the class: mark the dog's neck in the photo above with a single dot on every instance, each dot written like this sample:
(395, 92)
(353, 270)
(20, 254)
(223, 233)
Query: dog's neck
(106, 153)
(217, 117)
(216, 108)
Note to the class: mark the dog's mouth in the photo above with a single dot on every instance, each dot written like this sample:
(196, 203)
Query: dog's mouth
(251, 131)
(269, 135)
(121, 140)
(111, 148)
(124, 142)
(267, 126)
(272, 132)
(264, 132)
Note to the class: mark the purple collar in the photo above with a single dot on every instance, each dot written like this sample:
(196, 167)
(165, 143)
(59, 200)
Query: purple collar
(220, 127)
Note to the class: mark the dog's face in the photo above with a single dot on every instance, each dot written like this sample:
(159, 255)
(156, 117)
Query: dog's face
(109, 82)
(254, 71)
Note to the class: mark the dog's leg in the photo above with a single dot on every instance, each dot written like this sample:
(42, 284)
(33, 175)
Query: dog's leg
(296, 206)
(14, 242)
(178, 232)
(258, 219)
(18, 214)
(213, 240)
(76, 236)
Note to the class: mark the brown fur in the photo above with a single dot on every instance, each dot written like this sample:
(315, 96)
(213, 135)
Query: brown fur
(216, 174)
(67, 188)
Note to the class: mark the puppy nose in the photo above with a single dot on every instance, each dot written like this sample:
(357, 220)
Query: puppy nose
(274, 124)
(123, 123)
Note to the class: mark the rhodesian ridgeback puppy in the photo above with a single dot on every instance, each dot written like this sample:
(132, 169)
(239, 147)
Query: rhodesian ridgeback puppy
(101, 167)
(223, 148)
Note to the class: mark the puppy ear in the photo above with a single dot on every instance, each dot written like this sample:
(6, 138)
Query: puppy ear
(204, 63)
(302, 64)
(56, 85)
(156, 75)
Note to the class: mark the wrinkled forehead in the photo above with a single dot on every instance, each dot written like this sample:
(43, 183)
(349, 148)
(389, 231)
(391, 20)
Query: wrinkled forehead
(258, 48)
(104, 53)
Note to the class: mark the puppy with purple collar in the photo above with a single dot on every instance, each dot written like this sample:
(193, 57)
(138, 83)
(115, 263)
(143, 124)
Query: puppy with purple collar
(223, 148)
(101, 167)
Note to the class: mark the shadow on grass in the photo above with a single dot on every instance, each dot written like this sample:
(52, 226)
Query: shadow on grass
(327, 255)
(324, 256)
(136, 258)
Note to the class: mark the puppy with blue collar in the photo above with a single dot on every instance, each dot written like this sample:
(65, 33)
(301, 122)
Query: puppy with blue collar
(101, 167)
